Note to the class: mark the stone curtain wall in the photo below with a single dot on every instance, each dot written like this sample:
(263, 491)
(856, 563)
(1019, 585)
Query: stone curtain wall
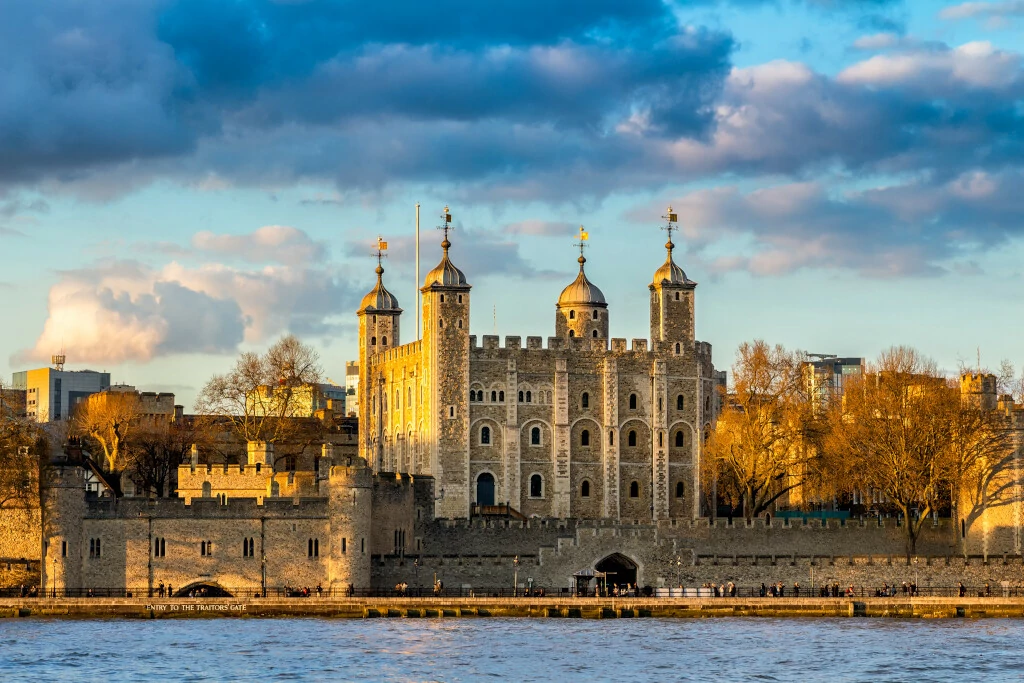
(480, 553)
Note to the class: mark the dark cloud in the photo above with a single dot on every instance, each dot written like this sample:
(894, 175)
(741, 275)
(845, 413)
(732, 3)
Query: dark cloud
(926, 227)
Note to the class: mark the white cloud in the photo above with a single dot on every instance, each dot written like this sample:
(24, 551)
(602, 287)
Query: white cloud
(117, 311)
(271, 243)
(971, 10)
(976, 65)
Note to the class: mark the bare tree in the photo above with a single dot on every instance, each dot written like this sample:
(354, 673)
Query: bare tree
(892, 435)
(22, 443)
(159, 447)
(981, 465)
(757, 452)
(257, 398)
(108, 420)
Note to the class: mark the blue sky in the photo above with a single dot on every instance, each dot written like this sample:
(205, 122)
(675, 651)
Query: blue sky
(182, 180)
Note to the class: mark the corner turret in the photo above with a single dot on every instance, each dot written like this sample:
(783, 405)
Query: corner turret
(582, 310)
(672, 300)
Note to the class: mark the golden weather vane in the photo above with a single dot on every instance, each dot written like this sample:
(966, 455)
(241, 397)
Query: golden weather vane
(670, 218)
(583, 236)
(446, 222)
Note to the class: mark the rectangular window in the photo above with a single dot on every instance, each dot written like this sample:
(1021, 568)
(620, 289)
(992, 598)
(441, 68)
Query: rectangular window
(63, 548)
(343, 545)
(362, 545)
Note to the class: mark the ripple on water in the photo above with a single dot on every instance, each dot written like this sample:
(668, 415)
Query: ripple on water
(509, 649)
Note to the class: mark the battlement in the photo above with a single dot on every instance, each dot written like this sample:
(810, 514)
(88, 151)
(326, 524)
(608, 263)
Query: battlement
(618, 345)
(206, 508)
(392, 354)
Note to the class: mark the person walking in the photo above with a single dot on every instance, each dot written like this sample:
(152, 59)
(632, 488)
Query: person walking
(961, 590)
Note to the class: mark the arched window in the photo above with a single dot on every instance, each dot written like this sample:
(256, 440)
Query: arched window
(520, 397)
(536, 486)
(632, 438)
(680, 402)
(661, 439)
(595, 334)
(611, 438)
(585, 489)
(634, 490)
(485, 436)
(535, 436)
(677, 348)
(707, 404)
(679, 489)
(442, 298)
(384, 341)
(373, 341)
(677, 296)
(460, 323)
(440, 322)
(549, 397)
(595, 314)
(585, 438)
(501, 396)
(529, 398)
(494, 396)
(572, 333)
(679, 439)
(572, 315)
(207, 489)
(585, 400)
(632, 401)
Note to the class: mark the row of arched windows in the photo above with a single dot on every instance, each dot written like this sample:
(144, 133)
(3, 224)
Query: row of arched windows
(631, 437)
(478, 396)
(537, 489)
(572, 333)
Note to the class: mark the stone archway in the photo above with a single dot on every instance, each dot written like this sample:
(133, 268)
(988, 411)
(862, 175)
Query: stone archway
(620, 569)
(212, 590)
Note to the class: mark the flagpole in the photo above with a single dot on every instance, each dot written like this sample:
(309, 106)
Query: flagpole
(418, 331)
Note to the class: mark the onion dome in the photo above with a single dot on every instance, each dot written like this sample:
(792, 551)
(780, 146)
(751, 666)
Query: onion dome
(582, 291)
(445, 274)
(379, 298)
(670, 273)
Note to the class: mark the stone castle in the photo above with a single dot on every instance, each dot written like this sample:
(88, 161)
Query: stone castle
(477, 461)
(586, 427)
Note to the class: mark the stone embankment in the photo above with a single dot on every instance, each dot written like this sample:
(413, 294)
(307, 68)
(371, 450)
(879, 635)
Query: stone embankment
(585, 608)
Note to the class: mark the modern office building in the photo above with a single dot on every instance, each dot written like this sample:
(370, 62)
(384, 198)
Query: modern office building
(51, 394)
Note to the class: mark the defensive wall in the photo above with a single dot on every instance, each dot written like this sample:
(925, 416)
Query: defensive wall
(480, 553)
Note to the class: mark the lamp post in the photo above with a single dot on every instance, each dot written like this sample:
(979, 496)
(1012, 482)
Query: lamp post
(515, 577)
(263, 580)
(416, 570)
(53, 576)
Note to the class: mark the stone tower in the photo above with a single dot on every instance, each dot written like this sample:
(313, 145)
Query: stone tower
(672, 301)
(980, 390)
(64, 509)
(446, 378)
(581, 310)
(350, 500)
(379, 316)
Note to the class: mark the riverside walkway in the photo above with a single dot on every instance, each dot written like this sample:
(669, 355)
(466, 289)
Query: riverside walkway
(584, 608)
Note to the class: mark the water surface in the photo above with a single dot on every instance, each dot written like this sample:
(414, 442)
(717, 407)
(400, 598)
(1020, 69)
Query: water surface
(734, 649)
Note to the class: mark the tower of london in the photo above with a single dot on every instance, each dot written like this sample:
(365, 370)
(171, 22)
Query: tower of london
(585, 426)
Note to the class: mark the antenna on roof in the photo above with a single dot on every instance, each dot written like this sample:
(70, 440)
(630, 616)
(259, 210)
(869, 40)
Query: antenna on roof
(58, 361)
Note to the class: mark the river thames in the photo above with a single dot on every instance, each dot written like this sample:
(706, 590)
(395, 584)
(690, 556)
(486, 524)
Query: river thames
(732, 649)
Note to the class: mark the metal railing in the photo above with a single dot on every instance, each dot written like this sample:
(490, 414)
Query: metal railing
(278, 592)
